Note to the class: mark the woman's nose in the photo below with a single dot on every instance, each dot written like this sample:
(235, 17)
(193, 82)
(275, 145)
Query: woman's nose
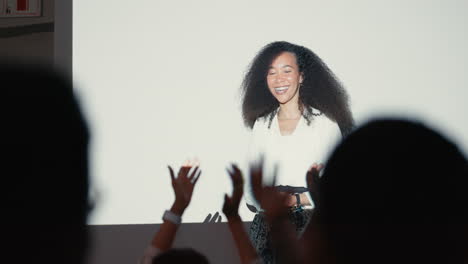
(279, 78)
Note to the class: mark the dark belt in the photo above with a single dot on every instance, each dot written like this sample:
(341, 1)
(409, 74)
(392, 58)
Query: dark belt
(291, 189)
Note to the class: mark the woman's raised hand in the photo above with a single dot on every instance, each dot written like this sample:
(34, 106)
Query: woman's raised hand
(184, 184)
(231, 204)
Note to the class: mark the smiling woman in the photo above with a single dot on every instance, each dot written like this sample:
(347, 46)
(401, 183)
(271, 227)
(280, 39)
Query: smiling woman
(297, 110)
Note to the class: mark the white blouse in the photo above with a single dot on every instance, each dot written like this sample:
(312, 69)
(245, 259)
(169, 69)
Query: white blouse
(293, 154)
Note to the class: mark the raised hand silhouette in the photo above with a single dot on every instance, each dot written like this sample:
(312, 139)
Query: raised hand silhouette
(231, 203)
(312, 179)
(184, 184)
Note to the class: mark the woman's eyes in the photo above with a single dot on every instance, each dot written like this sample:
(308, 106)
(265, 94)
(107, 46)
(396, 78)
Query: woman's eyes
(286, 71)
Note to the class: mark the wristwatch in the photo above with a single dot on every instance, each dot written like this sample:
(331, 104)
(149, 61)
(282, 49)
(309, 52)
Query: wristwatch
(171, 217)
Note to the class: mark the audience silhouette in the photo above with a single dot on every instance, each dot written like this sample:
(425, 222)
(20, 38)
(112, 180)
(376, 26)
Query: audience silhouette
(392, 191)
(44, 163)
(245, 248)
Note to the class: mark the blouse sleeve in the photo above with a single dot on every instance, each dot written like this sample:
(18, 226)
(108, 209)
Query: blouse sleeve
(330, 135)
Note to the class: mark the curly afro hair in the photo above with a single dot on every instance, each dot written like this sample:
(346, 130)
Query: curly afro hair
(320, 88)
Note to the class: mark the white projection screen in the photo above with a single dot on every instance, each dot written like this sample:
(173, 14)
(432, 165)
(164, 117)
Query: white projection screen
(159, 82)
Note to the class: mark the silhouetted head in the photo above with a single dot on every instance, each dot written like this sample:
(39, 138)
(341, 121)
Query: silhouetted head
(183, 255)
(44, 165)
(314, 82)
(392, 191)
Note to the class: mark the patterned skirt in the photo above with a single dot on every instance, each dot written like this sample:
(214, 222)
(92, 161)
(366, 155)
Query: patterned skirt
(259, 232)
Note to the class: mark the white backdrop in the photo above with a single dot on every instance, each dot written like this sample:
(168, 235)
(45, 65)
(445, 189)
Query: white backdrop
(159, 81)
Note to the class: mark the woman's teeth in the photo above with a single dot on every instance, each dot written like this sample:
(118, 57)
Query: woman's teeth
(281, 90)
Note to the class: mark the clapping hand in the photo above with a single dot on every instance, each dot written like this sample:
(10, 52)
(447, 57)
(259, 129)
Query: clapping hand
(312, 179)
(273, 202)
(184, 184)
(231, 204)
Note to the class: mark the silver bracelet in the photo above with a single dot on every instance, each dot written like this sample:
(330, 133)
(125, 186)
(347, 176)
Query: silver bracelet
(171, 217)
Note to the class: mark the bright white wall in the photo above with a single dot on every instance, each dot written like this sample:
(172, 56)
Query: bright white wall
(160, 82)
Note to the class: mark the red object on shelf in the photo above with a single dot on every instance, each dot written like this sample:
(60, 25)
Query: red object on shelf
(22, 5)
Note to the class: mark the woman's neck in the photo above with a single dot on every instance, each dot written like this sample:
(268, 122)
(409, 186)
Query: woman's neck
(289, 110)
